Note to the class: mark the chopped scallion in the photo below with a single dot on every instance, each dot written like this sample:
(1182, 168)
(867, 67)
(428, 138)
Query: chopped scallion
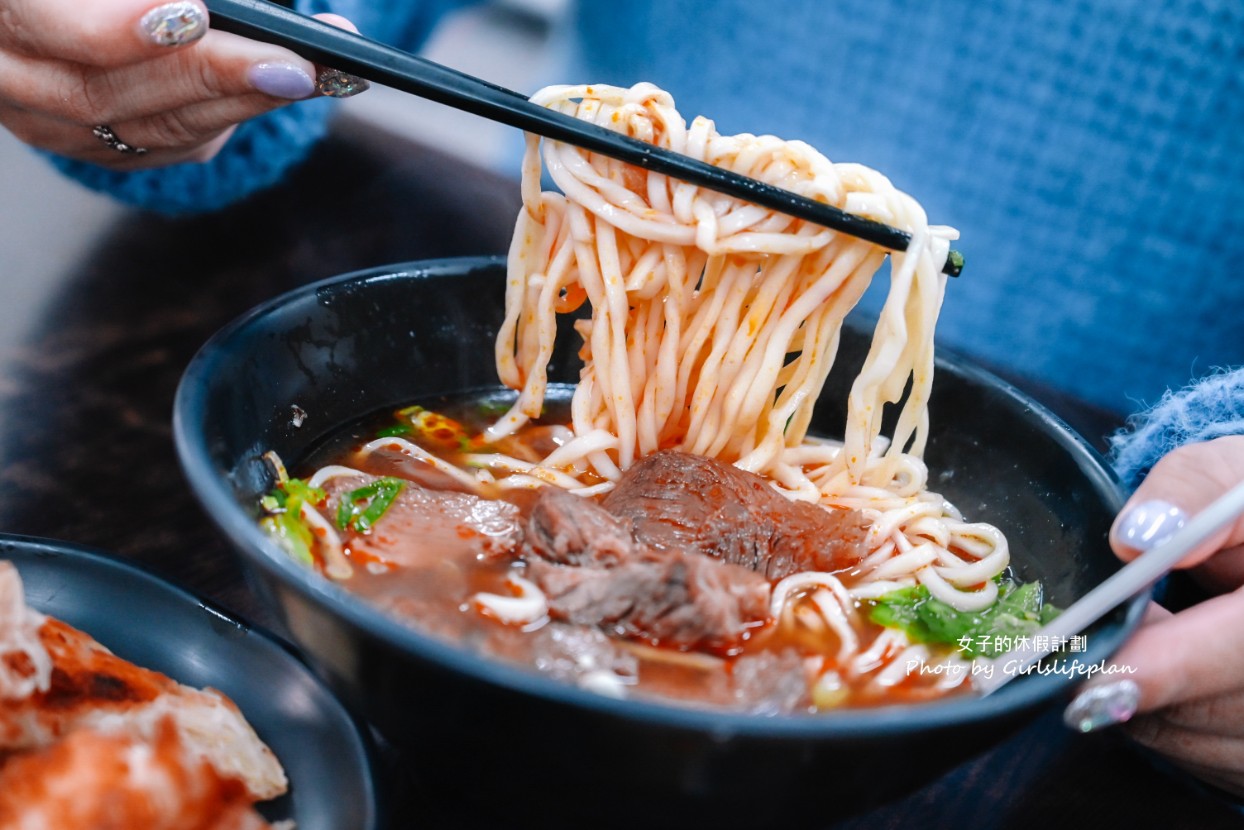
(360, 509)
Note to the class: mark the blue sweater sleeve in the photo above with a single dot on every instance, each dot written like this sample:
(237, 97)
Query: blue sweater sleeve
(1210, 408)
(258, 155)
(263, 148)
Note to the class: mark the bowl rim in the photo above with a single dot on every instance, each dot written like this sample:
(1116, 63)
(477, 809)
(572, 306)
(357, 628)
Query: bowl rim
(250, 542)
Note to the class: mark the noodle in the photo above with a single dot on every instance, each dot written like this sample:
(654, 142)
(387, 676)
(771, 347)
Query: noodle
(715, 323)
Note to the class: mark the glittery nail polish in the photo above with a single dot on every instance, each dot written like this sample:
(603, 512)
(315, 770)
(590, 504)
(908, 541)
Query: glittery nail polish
(337, 84)
(174, 24)
(1148, 523)
(1100, 706)
(281, 80)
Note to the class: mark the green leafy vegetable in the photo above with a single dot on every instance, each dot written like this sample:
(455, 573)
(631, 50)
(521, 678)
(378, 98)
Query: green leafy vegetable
(360, 509)
(284, 521)
(395, 431)
(1019, 611)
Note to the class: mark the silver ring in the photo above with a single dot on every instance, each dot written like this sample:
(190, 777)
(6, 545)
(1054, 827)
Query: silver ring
(105, 134)
(337, 84)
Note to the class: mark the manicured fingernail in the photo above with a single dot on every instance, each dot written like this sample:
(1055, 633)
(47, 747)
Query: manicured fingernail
(1100, 706)
(1147, 523)
(281, 80)
(337, 84)
(174, 24)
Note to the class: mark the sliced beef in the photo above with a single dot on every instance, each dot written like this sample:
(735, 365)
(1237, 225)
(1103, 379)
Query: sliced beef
(665, 597)
(571, 530)
(422, 526)
(678, 501)
(594, 572)
(681, 553)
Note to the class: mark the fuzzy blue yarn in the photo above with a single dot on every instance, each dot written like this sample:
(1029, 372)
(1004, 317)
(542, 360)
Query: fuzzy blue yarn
(1210, 409)
(259, 154)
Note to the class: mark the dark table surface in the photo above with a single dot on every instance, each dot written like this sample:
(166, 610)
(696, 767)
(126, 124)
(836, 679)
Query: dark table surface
(86, 453)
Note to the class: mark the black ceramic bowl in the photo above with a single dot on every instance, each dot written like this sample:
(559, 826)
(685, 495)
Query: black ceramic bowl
(498, 734)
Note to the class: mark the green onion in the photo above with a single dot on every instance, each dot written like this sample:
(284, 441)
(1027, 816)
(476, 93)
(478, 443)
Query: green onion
(292, 534)
(284, 522)
(360, 509)
(497, 407)
(298, 489)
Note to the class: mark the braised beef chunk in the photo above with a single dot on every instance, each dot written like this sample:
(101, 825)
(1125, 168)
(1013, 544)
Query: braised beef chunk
(681, 551)
(662, 596)
(571, 530)
(421, 526)
(679, 501)
(594, 572)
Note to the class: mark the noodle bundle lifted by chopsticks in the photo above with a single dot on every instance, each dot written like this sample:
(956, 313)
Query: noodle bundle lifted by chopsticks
(715, 324)
(713, 327)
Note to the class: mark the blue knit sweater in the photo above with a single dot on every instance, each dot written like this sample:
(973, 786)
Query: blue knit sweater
(1210, 409)
(1091, 153)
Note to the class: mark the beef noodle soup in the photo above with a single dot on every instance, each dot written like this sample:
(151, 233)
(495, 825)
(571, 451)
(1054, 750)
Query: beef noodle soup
(667, 527)
(604, 591)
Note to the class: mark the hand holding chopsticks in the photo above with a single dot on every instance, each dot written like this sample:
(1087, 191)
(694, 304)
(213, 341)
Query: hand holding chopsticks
(348, 52)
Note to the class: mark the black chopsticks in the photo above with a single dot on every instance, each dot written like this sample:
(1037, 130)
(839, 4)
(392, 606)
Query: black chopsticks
(327, 45)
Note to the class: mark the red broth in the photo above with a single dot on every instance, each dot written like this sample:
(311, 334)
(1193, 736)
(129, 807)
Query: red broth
(784, 666)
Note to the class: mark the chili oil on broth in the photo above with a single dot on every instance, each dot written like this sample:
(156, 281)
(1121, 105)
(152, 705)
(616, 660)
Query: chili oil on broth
(786, 665)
